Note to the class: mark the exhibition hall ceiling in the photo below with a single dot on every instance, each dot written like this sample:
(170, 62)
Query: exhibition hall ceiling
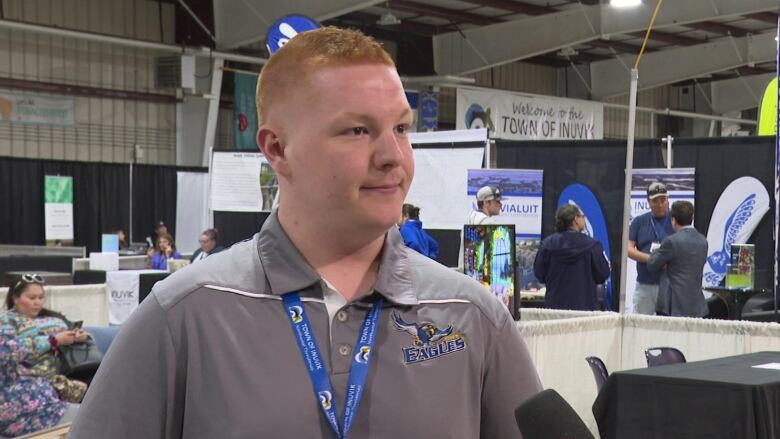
(472, 35)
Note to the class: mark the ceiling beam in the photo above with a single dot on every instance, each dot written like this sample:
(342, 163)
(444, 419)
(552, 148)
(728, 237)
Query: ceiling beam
(619, 46)
(476, 49)
(516, 7)
(610, 78)
(718, 28)
(406, 26)
(766, 17)
(443, 13)
(666, 37)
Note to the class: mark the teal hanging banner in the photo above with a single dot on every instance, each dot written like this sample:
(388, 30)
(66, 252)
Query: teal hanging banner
(246, 111)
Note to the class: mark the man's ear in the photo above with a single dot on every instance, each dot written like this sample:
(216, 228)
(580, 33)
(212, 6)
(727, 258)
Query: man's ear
(273, 148)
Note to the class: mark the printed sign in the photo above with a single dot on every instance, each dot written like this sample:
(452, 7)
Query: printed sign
(38, 110)
(58, 207)
(242, 182)
(517, 116)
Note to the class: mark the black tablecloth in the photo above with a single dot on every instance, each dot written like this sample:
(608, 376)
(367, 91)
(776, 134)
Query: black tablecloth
(712, 399)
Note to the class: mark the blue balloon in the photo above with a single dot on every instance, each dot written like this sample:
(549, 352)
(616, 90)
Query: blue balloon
(285, 28)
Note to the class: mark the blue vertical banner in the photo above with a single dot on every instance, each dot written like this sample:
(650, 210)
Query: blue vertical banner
(595, 225)
(245, 112)
(429, 110)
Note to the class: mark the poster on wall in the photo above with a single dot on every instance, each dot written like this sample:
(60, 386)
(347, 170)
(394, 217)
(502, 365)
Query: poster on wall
(681, 184)
(595, 225)
(519, 116)
(521, 205)
(241, 182)
(58, 207)
(736, 215)
(37, 110)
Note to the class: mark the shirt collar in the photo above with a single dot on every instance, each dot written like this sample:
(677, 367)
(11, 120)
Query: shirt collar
(287, 270)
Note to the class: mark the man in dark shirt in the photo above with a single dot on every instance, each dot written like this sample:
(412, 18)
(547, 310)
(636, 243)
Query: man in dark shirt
(571, 263)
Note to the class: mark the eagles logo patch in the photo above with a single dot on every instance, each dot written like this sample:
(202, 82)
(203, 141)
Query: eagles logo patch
(429, 341)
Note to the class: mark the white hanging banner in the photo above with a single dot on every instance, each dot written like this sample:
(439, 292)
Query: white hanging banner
(681, 184)
(736, 215)
(37, 110)
(519, 116)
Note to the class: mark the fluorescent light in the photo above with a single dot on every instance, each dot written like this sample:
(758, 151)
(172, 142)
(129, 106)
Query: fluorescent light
(625, 3)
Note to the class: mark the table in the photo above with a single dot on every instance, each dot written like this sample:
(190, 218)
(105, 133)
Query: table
(712, 399)
(735, 298)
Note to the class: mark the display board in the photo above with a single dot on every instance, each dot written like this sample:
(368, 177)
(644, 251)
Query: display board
(489, 258)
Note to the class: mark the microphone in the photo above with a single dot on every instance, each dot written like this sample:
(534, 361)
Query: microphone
(547, 415)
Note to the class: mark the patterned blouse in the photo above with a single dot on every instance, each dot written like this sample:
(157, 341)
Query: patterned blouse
(27, 404)
(33, 336)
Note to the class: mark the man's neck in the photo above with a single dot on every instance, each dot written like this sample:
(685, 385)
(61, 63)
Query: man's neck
(486, 212)
(351, 266)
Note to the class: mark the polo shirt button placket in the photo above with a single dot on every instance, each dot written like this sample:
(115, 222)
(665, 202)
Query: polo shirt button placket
(342, 316)
(345, 349)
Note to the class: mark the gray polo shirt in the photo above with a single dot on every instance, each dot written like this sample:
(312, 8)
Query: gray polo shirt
(211, 354)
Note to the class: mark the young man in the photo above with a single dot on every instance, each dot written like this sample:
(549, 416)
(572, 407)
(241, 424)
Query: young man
(319, 314)
(680, 260)
(571, 263)
(645, 235)
(488, 205)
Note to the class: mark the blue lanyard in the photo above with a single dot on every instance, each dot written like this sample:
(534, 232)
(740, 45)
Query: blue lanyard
(323, 389)
(663, 227)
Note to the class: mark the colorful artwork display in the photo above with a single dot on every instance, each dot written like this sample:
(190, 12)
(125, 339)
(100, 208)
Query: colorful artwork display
(489, 258)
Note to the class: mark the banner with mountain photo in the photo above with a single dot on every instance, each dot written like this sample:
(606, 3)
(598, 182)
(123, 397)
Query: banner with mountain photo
(681, 184)
(521, 192)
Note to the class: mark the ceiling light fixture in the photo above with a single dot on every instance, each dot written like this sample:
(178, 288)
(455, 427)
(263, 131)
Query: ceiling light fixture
(625, 3)
(388, 19)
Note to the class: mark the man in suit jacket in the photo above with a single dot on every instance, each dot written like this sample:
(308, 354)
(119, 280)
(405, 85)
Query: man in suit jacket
(683, 256)
(209, 244)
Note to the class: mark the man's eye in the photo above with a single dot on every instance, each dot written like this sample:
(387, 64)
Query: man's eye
(402, 129)
(358, 131)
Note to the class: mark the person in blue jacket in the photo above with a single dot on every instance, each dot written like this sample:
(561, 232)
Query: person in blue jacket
(571, 263)
(414, 236)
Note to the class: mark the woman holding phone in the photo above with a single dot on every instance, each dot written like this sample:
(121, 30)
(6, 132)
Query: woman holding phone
(166, 249)
(40, 332)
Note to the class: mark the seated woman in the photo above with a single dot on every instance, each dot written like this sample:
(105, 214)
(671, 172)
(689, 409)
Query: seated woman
(166, 249)
(27, 404)
(40, 332)
(414, 236)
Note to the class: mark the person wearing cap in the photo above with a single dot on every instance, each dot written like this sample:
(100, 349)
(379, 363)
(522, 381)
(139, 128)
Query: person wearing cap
(571, 263)
(488, 205)
(645, 234)
(321, 325)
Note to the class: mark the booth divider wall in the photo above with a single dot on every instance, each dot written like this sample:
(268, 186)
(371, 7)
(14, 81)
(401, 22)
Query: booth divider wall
(101, 199)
